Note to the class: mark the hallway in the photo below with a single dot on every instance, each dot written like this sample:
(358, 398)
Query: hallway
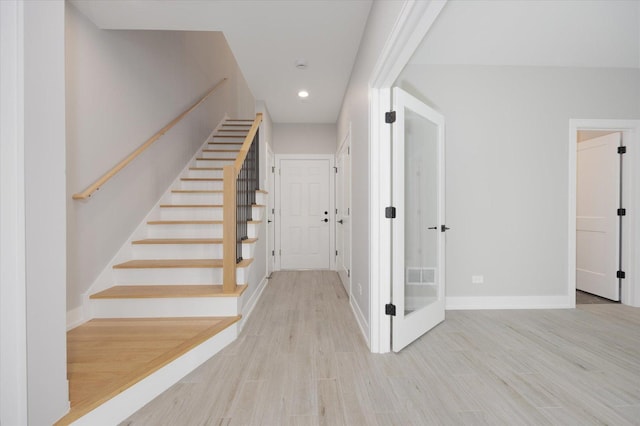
(301, 360)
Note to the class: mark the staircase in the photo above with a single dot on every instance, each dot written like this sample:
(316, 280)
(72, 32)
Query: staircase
(177, 269)
(174, 273)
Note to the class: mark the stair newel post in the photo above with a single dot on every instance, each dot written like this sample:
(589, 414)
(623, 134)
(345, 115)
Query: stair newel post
(229, 230)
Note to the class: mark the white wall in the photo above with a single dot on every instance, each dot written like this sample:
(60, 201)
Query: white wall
(507, 132)
(266, 138)
(44, 190)
(304, 138)
(122, 87)
(355, 112)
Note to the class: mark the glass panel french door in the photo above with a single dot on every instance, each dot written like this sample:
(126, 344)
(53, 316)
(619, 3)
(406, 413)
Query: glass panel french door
(418, 230)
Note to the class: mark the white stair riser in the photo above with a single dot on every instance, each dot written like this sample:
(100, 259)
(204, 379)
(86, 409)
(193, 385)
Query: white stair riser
(201, 213)
(224, 154)
(193, 231)
(173, 276)
(191, 213)
(222, 145)
(185, 251)
(185, 231)
(195, 198)
(198, 185)
(167, 307)
(208, 174)
(262, 198)
(213, 163)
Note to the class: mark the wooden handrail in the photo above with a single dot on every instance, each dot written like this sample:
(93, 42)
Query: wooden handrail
(121, 165)
(247, 142)
(229, 240)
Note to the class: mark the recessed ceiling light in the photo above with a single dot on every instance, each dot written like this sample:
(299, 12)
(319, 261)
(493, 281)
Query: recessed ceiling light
(303, 94)
(301, 64)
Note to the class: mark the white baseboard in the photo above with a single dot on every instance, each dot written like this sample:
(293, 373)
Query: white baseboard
(508, 302)
(361, 320)
(131, 400)
(75, 317)
(247, 308)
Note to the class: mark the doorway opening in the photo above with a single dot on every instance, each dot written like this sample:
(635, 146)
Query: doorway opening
(602, 205)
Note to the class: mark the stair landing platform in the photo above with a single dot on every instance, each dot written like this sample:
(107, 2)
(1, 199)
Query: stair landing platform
(115, 366)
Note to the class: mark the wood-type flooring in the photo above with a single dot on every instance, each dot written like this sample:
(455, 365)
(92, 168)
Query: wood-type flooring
(301, 360)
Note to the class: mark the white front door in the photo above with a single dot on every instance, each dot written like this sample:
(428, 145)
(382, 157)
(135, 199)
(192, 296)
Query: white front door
(597, 221)
(343, 213)
(305, 213)
(418, 276)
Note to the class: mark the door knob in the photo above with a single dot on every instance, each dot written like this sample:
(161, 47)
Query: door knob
(269, 221)
(324, 220)
(341, 221)
(432, 227)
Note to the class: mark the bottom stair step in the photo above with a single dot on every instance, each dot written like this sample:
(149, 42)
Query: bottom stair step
(110, 361)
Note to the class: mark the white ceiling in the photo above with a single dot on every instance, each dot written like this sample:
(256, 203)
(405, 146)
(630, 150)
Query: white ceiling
(266, 37)
(566, 33)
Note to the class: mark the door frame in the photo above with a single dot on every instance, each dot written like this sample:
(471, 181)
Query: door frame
(630, 293)
(278, 215)
(271, 185)
(413, 23)
(346, 143)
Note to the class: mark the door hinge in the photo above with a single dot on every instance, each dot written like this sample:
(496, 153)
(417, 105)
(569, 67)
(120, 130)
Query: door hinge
(336, 169)
(390, 117)
(444, 228)
(622, 212)
(336, 252)
(348, 273)
(273, 211)
(273, 253)
(622, 150)
(620, 274)
(390, 309)
(273, 169)
(348, 150)
(390, 212)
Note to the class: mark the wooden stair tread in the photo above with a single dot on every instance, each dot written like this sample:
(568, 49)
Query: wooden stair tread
(190, 206)
(197, 191)
(215, 159)
(225, 143)
(201, 179)
(208, 169)
(228, 136)
(115, 354)
(166, 291)
(188, 241)
(193, 222)
(176, 263)
(220, 150)
(184, 222)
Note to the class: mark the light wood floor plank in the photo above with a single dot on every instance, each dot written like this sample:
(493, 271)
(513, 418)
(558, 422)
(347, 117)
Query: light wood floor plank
(301, 360)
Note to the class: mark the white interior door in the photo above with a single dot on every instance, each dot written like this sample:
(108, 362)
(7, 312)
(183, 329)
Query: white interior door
(418, 229)
(305, 213)
(597, 221)
(343, 213)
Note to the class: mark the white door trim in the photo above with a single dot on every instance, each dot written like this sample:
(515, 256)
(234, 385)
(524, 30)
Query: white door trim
(278, 215)
(13, 331)
(413, 23)
(270, 161)
(630, 294)
(346, 143)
